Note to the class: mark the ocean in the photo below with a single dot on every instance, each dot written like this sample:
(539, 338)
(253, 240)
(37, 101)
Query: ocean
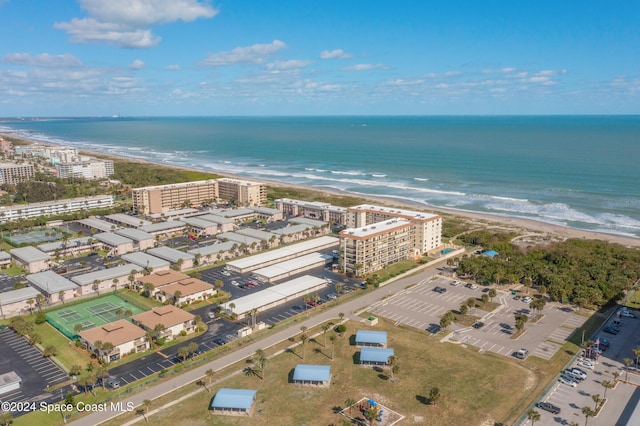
(576, 171)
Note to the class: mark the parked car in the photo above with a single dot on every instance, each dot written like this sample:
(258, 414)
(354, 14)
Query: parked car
(527, 299)
(219, 341)
(611, 330)
(627, 314)
(547, 406)
(522, 353)
(567, 382)
(211, 315)
(602, 342)
(585, 362)
(235, 283)
(114, 384)
(331, 296)
(478, 324)
(471, 286)
(579, 372)
(455, 282)
(440, 290)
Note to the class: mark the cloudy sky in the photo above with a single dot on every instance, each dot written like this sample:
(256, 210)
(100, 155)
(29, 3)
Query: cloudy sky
(313, 57)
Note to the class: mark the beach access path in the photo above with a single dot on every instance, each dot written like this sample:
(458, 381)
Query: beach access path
(349, 309)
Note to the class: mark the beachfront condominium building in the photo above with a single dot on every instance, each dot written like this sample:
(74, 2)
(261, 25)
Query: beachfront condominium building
(163, 198)
(12, 173)
(313, 210)
(378, 236)
(242, 192)
(86, 168)
(49, 208)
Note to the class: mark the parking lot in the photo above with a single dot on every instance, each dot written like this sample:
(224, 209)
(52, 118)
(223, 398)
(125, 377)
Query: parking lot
(620, 401)
(422, 307)
(36, 371)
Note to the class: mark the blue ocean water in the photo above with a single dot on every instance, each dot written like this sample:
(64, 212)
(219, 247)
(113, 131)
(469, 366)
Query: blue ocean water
(577, 171)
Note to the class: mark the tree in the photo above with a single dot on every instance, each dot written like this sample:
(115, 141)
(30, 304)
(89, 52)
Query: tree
(303, 340)
(596, 400)
(521, 320)
(61, 295)
(176, 297)
(30, 302)
(534, 416)
(75, 370)
(326, 327)
(463, 309)
(210, 373)
(219, 284)
(350, 402)
(183, 353)
(49, 351)
(606, 384)
(35, 339)
(492, 293)
(203, 384)
(146, 404)
(371, 414)
(446, 320)
(101, 373)
(261, 361)
(588, 412)
(627, 363)
(332, 339)
(6, 418)
(484, 298)
(394, 370)
(341, 316)
(434, 395)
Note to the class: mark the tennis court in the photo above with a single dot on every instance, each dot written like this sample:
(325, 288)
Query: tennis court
(35, 237)
(90, 314)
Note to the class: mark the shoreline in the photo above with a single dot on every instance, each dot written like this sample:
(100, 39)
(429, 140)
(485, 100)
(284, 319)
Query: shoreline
(542, 231)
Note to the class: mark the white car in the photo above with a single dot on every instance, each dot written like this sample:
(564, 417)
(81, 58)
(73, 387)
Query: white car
(211, 315)
(527, 299)
(567, 382)
(627, 314)
(578, 372)
(585, 362)
(331, 296)
(235, 283)
(455, 282)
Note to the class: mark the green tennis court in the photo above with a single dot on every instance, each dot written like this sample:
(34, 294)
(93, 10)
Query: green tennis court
(69, 320)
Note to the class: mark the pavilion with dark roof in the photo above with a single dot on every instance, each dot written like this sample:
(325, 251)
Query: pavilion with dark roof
(371, 338)
(317, 375)
(233, 401)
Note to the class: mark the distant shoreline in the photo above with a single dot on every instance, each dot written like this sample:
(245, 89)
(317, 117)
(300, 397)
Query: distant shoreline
(543, 230)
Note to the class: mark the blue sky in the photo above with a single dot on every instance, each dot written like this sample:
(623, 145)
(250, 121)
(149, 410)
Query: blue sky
(256, 57)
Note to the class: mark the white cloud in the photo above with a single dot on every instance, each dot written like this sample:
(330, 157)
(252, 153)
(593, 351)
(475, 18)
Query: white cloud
(87, 31)
(136, 65)
(255, 54)
(125, 23)
(43, 60)
(335, 54)
(288, 65)
(365, 67)
(172, 67)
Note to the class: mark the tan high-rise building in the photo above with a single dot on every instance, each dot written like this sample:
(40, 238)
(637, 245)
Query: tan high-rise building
(12, 173)
(378, 236)
(163, 198)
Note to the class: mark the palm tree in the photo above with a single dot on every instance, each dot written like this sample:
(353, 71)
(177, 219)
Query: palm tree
(341, 316)
(371, 414)
(492, 293)
(101, 373)
(30, 302)
(176, 296)
(596, 399)
(326, 327)
(588, 412)
(350, 402)
(606, 384)
(303, 340)
(115, 282)
(146, 403)
(210, 373)
(261, 361)
(636, 352)
(534, 416)
(61, 295)
(434, 395)
(332, 339)
(96, 286)
(616, 376)
(627, 362)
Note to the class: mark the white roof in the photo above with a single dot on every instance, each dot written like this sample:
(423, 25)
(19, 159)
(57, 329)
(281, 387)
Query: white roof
(293, 229)
(49, 247)
(215, 219)
(212, 249)
(287, 251)
(135, 234)
(128, 220)
(49, 282)
(4, 255)
(19, 295)
(99, 224)
(162, 226)
(375, 228)
(393, 211)
(273, 294)
(170, 254)
(145, 260)
(307, 221)
(112, 240)
(105, 274)
(197, 222)
(29, 254)
(238, 238)
(289, 266)
(256, 233)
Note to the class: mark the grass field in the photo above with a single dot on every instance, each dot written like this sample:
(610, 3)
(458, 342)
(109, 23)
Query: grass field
(475, 388)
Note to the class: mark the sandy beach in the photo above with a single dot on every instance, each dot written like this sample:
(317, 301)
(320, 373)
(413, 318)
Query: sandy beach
(532, 231)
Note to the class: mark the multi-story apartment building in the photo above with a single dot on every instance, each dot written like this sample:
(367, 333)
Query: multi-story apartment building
(378, 236)
(87, 168)
(48, 208)
(163, 198)
(313, 210)
(12, 173)
(242, 192)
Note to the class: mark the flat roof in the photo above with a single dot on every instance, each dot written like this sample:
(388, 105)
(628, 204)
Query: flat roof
(112, 240)
(290, 250)
(293, 229)
(116, 333)
(171, 213)
(186, 287)
(368, 354)
(317, 205)
(162, 226)
(237, 212)
(9, 378)
(265, 210)
(99, 224)
(167, 315)
(49, 282)
(376, 228)
(212, 249)
(170, 254)
(160, 278)
(235, 399)
(312, 373)
(135, 234)
(128, 220)
(256, 233)
(145, 260)
(29, 254)
(394, 211)
(105, 274)
(4, 255)
(197, 222)
(293, 265)
(307, 221)
(370, 336)
(19, 295)
(238, 238)
(221, 220)
(55, 245)
(273, 294)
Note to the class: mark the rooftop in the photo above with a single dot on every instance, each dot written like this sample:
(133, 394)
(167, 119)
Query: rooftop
(235, 399)
(135, 234)
(170, 254)
(312, 373)
(144, 260)
(116, 333)
(48, 282)
(394, 211)
(19, 295)
(160, 278)
(29, 254)
(376, 228)
(370, 336)
(112, 240)
(105, 274)
(167, 315)
(378, 355)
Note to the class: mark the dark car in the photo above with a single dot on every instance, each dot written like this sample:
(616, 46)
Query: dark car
(610, 330)
(478, 324)
(547, 406)
(440, 290)
(219, 341)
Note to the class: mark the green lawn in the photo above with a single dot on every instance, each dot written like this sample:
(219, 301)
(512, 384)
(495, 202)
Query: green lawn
(66, 353)
(475, 388)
